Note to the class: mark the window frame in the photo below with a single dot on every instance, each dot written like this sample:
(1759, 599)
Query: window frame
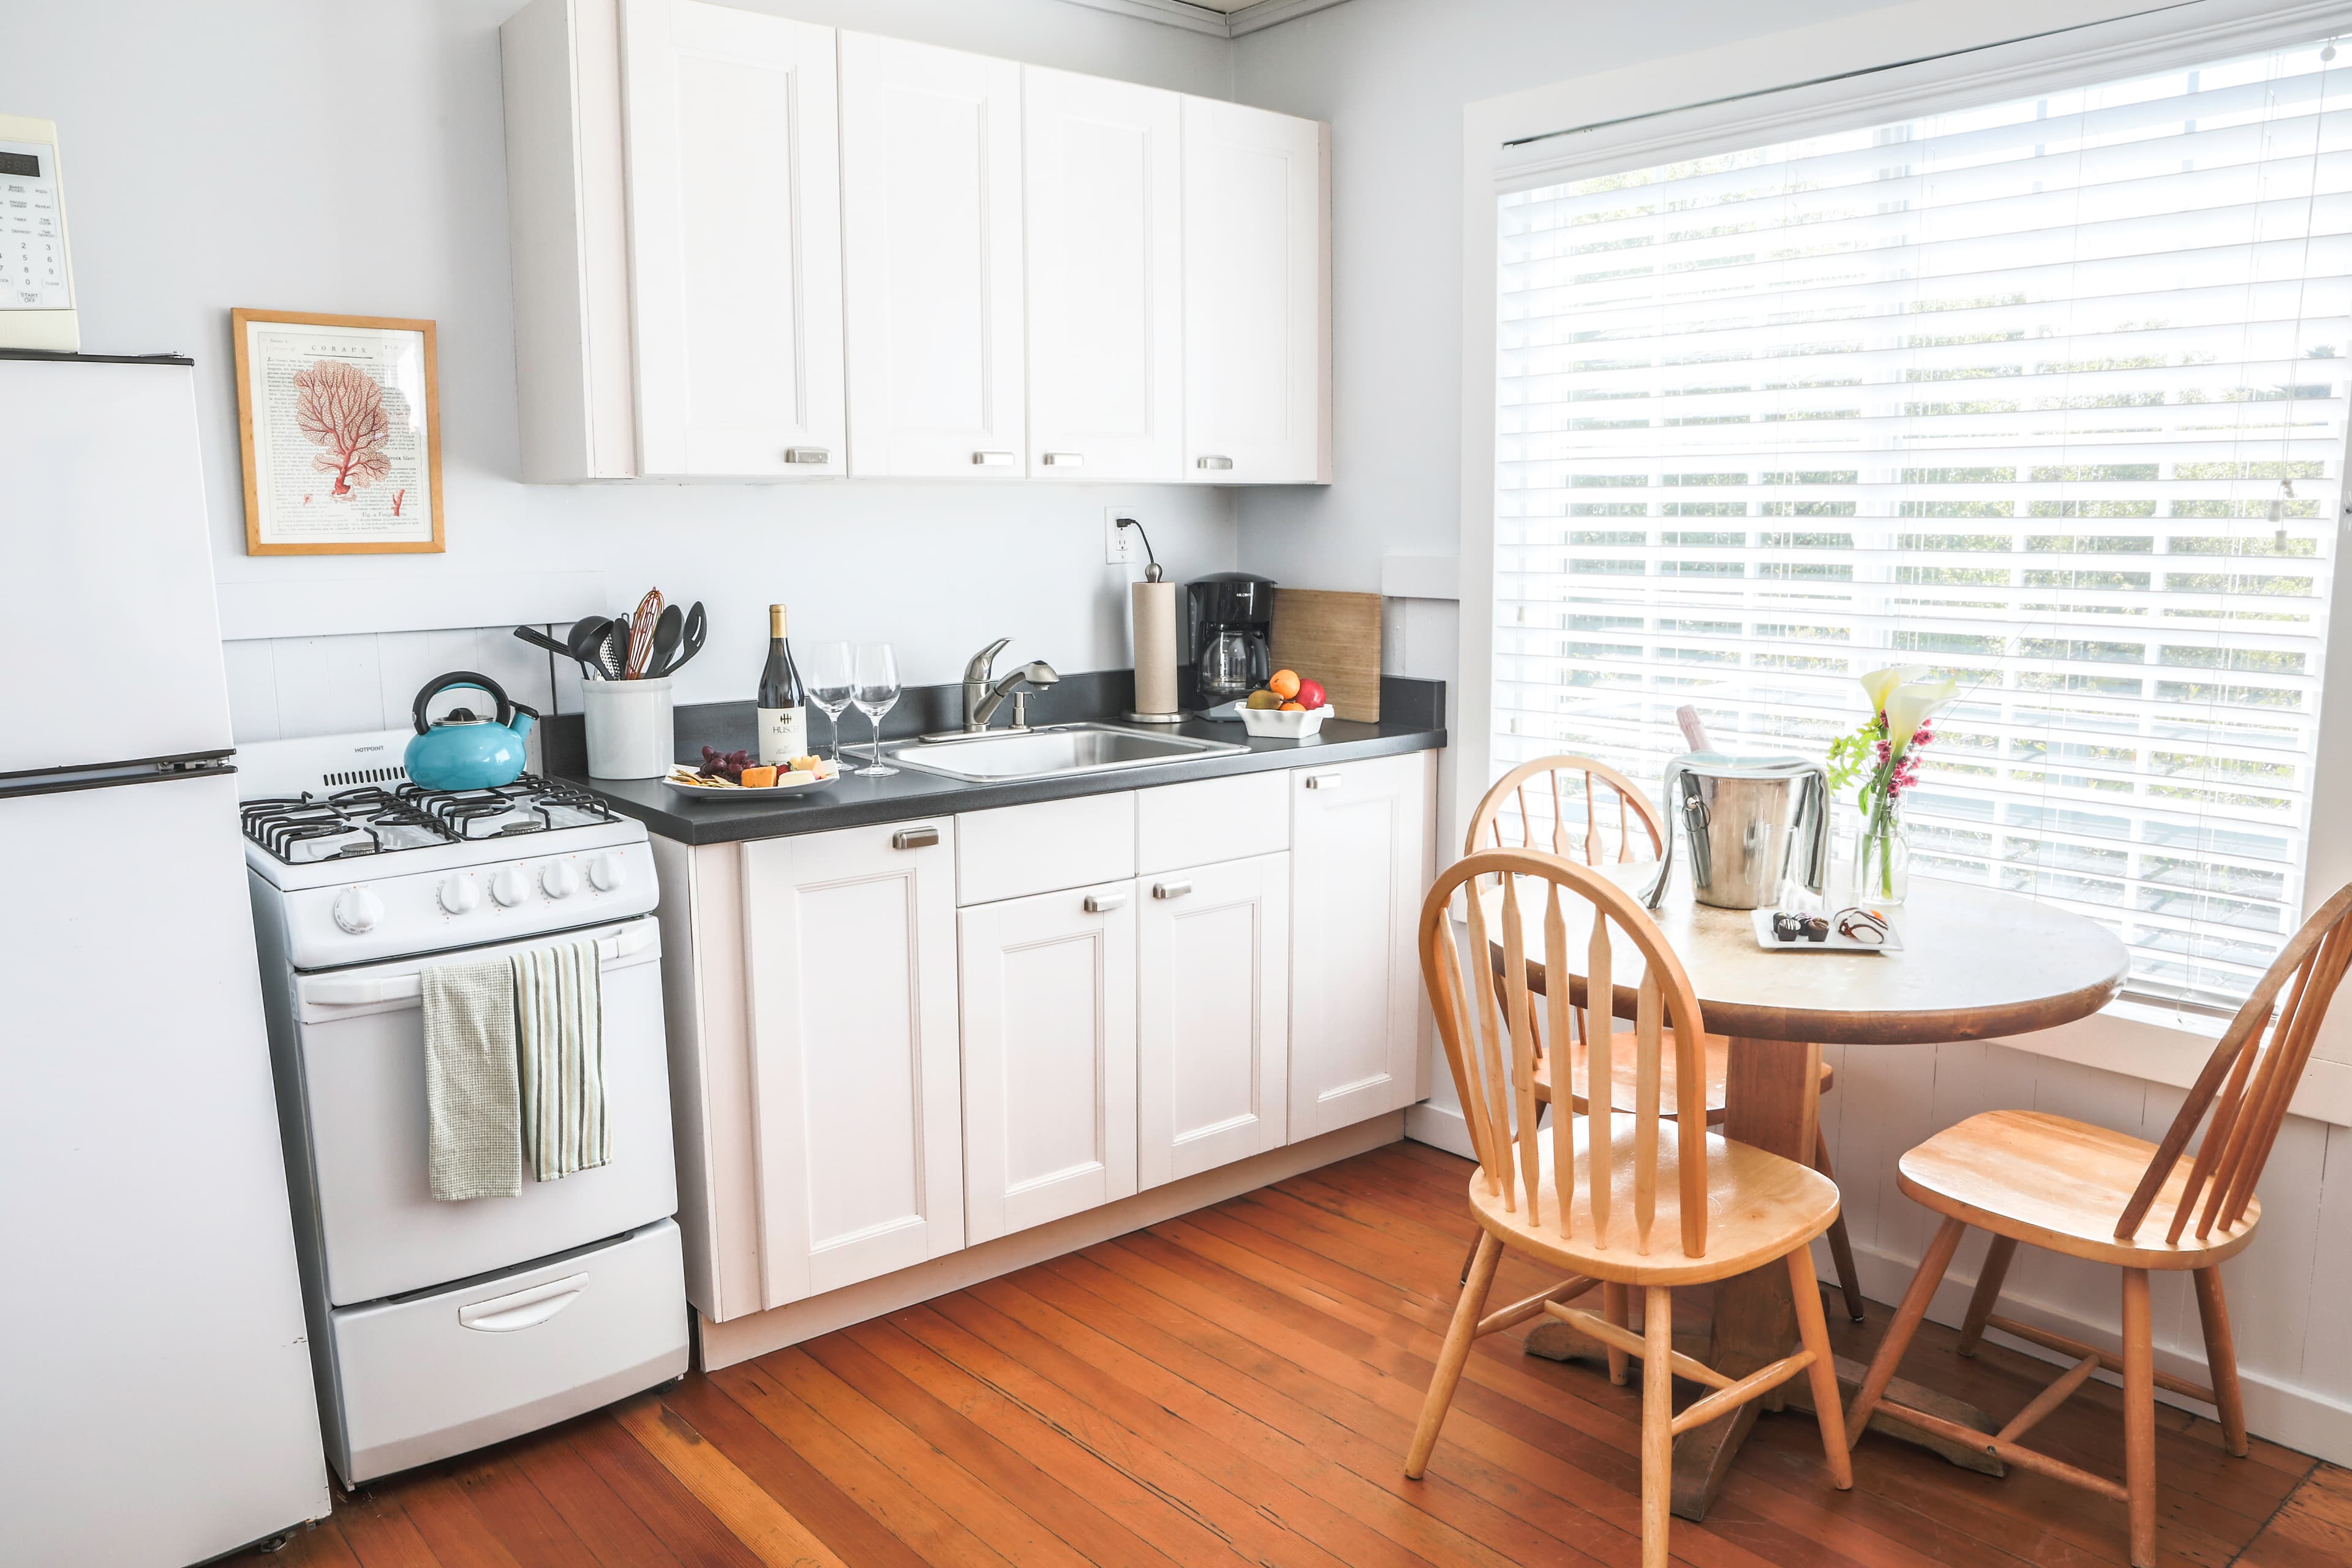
(1894, 62)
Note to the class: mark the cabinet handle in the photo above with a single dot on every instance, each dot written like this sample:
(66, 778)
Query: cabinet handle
(1103, 903)
(1175, 889)
(993, 459)
(1214, 462)
(1066, 459)
(808, 454)
(1324, 781)
(914, 838)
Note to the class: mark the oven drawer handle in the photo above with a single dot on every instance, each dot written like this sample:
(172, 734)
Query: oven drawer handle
(524, 1308)
(409, 987)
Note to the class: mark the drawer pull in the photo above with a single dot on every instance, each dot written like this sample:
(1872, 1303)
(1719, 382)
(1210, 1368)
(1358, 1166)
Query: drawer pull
(1103, 903)
(808, 454)
(524, 1308)
(1324, 781)
(914, 838)
(1066, 459)
(993, 459)
(1175, 889)
(1214, 462)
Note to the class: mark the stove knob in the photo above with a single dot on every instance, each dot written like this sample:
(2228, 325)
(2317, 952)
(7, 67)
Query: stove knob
(357, 910)
(511, 886)
(561, 879)
(458, 895)
(608, 872)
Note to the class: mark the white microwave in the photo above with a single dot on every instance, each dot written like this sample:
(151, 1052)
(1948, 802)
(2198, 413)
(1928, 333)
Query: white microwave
(37, 303)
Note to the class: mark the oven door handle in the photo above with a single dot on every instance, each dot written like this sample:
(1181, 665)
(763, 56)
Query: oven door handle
(329, 992)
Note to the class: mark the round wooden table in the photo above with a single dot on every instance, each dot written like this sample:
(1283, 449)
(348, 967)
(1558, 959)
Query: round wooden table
(1975, 964)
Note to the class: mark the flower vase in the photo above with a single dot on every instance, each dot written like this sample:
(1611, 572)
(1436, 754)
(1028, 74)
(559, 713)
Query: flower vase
(1882, 871)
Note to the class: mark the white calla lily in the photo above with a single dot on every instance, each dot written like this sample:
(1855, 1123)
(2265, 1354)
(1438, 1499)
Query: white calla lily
(1909, 706)
(1880, 684)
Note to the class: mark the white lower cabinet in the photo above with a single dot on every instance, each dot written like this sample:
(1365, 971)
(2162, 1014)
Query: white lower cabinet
(849, 948)
(1360, 854)
(1213, 1020)
(1048, 1056)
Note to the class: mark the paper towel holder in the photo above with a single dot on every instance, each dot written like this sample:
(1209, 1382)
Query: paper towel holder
(1153, 601)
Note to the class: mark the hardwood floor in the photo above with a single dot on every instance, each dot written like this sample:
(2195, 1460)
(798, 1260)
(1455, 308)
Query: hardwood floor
(1238, 1386)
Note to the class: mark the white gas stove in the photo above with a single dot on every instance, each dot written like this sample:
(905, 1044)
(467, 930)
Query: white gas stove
(439, 1327)
(370, 864)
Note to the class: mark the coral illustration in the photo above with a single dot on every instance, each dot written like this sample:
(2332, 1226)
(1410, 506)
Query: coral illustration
(341, 408)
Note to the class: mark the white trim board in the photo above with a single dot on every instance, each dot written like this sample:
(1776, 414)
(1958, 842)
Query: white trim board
(1202, 19)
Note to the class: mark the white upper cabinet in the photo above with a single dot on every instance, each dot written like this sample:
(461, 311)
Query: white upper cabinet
(1106, 255)
(735, 241)
(1257, 320)
(931, 161)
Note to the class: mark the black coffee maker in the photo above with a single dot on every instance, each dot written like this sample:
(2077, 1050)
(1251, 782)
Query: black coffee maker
(1229, 620)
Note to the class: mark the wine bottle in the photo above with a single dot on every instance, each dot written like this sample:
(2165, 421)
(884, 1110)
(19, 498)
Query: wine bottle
(783, 712)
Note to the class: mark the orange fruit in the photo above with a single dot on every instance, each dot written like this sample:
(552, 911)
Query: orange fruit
(1294, 708)
(1283, 683)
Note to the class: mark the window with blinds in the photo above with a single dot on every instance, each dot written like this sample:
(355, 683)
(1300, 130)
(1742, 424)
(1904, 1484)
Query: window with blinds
(2048, 396)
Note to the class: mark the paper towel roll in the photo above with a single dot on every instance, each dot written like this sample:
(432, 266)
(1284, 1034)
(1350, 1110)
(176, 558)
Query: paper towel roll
(1155, 648)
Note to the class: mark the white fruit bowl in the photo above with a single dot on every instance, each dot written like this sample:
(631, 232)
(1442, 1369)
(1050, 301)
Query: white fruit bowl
(1295, 725)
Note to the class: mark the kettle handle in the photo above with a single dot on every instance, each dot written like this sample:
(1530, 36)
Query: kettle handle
(440, 683)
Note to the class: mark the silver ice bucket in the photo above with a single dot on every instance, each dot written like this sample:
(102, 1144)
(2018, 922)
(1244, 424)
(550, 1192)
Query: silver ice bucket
(1752, 823)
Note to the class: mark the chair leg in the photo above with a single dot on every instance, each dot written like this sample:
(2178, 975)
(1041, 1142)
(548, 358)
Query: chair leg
(1988, 1294)
(1905, 1325)
(1471, 1256)
(1615, 1300)
(1841, 1245)
(2139, 1416)
(2221, 1359)
(1657, 1422)
(1451, 1358)
(1813, 1333)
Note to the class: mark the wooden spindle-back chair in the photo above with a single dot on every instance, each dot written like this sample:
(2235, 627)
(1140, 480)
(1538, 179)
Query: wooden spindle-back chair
(1617, 1196)
(2028, 1176)
(1583, 809)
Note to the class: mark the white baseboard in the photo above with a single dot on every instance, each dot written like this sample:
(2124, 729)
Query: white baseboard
(1440, 1127)
(718, 1344)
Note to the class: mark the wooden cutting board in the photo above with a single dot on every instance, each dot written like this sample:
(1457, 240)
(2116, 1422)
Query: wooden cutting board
(1334, 638)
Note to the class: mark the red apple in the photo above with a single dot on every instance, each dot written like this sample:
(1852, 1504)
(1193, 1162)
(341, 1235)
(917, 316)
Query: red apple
(1312, 695)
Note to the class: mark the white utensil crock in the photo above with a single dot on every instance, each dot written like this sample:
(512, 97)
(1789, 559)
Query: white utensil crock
(629, 734)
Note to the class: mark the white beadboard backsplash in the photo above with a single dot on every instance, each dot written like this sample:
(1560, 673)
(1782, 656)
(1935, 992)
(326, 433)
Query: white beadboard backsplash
(282, 689)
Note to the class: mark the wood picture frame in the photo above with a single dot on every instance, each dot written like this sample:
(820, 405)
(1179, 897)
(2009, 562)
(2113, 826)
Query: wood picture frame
(338, 424)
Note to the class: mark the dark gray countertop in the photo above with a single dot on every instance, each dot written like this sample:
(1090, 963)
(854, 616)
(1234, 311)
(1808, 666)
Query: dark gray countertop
(1412, 720)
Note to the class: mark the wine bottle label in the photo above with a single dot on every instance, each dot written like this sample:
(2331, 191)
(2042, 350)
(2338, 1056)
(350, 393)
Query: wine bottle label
(784, 735)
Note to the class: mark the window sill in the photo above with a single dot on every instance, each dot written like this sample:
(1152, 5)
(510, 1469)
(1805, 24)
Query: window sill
(2147, 1041)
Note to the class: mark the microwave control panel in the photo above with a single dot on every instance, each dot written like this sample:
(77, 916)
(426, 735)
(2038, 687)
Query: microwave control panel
(36, 304)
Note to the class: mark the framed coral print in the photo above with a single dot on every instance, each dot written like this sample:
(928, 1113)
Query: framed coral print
(340, 419)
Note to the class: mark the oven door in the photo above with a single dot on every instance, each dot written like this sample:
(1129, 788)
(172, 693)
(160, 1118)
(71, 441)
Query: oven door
(363, 1077)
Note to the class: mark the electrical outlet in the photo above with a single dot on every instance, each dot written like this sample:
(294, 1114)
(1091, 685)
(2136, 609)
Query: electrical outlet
(1121, 547)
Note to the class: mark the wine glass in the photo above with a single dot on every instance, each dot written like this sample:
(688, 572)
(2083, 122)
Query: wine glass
(824, 667)
(874, 686)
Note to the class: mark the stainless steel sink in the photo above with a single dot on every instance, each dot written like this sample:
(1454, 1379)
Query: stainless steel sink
(1051, 752)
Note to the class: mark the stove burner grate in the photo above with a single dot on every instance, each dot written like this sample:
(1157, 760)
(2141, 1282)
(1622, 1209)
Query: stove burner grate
(374, 820)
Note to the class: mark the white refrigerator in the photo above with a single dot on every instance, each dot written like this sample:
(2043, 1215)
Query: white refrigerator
(155, 1394)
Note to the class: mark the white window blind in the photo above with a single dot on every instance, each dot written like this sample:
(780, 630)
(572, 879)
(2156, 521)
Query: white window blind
(2048, 394)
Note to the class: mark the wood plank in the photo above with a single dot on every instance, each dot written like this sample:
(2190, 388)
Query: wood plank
(381, 1534)
(457, 1533)
(774, 1535)
(582, 1499)
(317, 1545)
(687, 1528)
(2314, 1530)
(525, 1523)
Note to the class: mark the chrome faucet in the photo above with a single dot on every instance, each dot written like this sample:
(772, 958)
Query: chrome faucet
(981, 700)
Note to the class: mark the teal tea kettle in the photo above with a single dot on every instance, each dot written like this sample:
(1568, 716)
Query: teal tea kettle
(460, 750)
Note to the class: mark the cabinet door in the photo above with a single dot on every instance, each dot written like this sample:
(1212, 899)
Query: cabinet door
(1049, 1057)
(1257, 360)
(734, 241)
(1212, 1033)
(1105, 205)
(931, 230)
(849, 948)
(1360, 862)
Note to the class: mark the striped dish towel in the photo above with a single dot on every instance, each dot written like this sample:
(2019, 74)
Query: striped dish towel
(560, 1047)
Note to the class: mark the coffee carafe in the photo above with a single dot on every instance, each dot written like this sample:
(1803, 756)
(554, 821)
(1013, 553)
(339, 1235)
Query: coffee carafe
(1229, 620)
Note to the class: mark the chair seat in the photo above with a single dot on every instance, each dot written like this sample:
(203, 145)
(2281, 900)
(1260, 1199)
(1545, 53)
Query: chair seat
(1621, 1047)
(1760, 1207)
(2060, 1183)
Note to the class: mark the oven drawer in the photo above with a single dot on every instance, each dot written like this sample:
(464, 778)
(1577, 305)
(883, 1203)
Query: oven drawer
(361, 1062)
(435, 1374)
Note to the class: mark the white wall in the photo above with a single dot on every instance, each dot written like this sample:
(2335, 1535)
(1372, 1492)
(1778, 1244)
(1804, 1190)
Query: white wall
(350, 158)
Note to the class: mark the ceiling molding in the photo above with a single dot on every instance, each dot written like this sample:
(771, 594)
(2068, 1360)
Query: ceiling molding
(1202, 19)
